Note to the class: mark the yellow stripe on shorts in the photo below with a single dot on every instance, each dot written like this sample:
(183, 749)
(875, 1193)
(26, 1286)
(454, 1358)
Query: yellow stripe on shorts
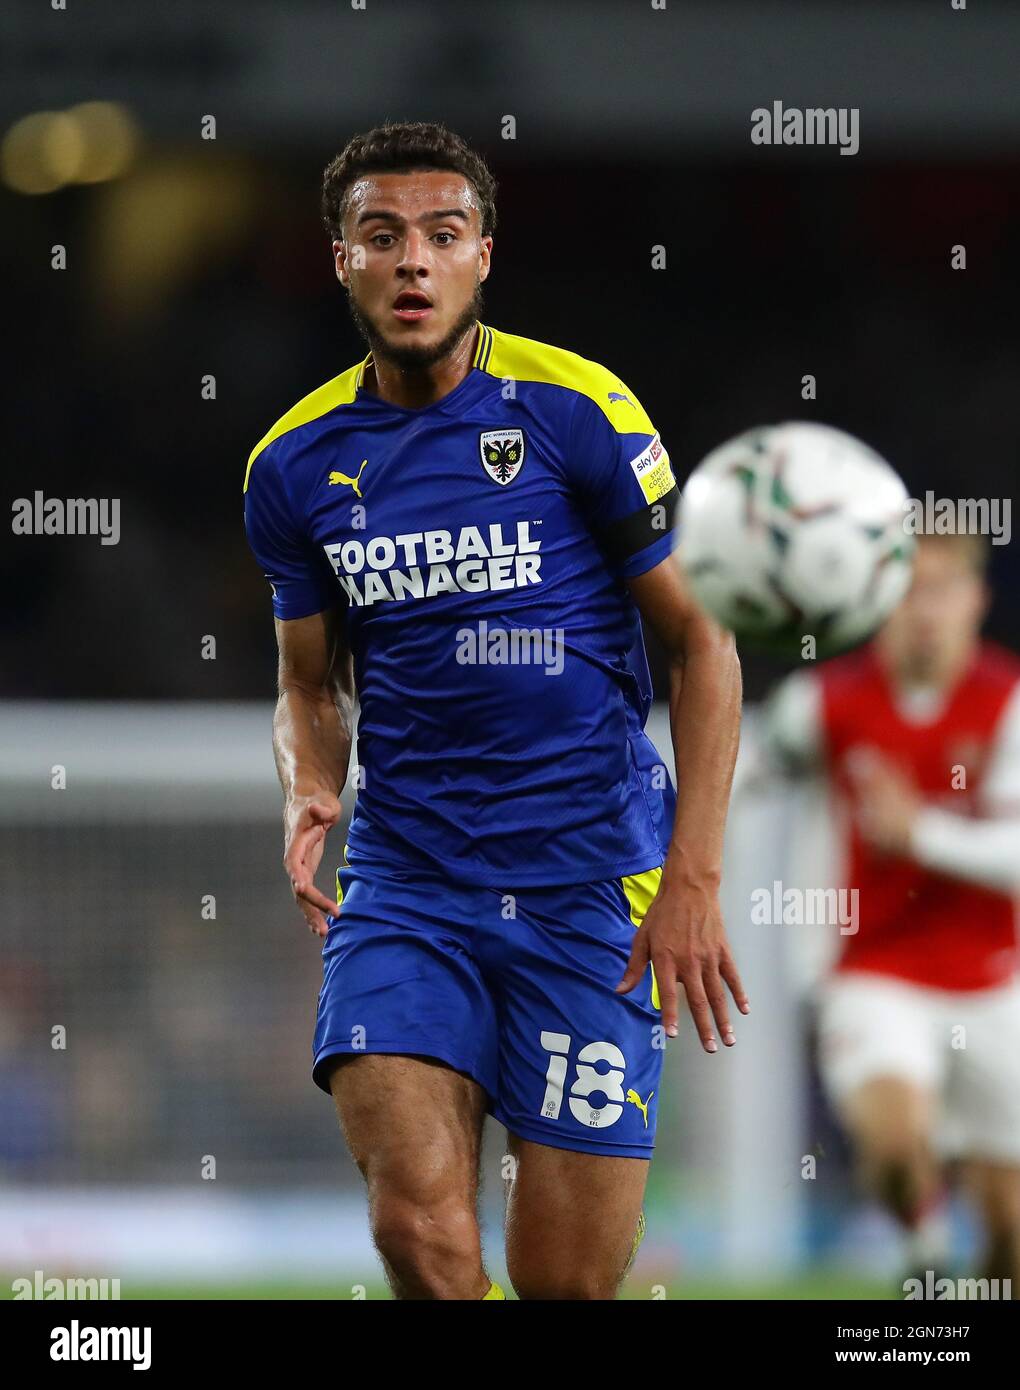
(641, 890)
(339, 890)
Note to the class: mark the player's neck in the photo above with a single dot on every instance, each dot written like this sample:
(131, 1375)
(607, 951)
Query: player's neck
(414, 388)
(907, 676)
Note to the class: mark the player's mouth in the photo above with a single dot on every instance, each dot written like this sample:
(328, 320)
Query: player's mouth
(411, 306)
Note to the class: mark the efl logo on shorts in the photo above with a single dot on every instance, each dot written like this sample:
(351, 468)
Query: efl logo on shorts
(587, 1082)
(502, 454)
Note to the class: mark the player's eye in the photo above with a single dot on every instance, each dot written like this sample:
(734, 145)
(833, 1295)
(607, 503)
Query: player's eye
(448, 235)
(381, 237)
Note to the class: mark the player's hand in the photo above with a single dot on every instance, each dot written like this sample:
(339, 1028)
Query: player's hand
(888, 801)
(307, 820)
(684, 938)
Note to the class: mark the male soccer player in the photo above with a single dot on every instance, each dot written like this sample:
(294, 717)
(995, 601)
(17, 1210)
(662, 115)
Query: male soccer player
(463, 529)
(919, 1024)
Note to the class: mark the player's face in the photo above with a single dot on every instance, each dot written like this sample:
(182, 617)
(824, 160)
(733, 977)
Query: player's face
(932, 630)
(413, 259)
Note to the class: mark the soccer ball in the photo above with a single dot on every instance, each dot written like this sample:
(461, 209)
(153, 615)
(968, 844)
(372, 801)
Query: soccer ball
(793, 531)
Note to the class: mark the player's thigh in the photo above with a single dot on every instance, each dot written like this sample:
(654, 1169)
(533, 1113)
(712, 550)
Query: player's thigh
(414, 1128)
(889, 1117)
(882, 1061)
(413, 1125)
(571, 1219)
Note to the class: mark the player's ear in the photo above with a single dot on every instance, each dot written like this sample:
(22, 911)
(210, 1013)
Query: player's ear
(484, 257)
(986, 598)
(340, 263)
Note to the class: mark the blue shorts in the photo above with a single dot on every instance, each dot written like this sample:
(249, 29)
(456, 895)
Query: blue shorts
(515, 988)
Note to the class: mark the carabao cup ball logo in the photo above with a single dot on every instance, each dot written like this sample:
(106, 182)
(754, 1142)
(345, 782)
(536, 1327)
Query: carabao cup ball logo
(502, 453)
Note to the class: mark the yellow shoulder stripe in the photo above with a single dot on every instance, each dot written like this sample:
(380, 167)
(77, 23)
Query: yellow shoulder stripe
(523, 359)
(483, 347)
(340, 391)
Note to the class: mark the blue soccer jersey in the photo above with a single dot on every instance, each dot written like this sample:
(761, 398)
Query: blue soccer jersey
(479, 547)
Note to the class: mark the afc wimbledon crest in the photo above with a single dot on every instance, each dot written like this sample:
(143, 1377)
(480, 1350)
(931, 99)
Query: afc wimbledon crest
(502, 454)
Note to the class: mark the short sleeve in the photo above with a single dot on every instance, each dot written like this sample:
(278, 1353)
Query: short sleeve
(792, 731)
(622, 474)
(300, 579)
(1000, 786)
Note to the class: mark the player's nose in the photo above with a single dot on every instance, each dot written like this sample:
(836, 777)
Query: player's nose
(415, 255)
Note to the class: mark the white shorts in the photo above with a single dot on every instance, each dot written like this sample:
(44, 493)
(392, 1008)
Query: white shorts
(962, 1046)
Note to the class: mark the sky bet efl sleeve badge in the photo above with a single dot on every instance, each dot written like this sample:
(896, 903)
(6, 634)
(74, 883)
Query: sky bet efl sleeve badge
(653, 472)
(502, 454)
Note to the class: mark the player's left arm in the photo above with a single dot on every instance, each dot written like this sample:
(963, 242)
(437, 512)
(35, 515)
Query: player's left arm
(623, 476)
(985, 849)
(683, 934)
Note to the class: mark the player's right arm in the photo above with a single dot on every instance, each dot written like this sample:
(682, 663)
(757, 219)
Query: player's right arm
(312, 732)
(314, 710)
(981, 848)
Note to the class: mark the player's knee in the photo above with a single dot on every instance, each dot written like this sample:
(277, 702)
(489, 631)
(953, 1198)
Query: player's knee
(574, 1286)
(430, 1246)
(895, 1172)
(541, 1279)
(890, 1150)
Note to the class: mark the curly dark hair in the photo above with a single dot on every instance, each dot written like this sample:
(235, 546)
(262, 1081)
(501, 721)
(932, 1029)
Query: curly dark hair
(400, 147)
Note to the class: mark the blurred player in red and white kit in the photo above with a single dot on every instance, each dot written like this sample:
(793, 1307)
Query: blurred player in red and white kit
(919, 1021)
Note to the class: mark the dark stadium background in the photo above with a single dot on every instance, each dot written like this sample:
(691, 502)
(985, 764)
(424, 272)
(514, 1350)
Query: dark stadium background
(772, 272)
(780, 262)
(208, 257)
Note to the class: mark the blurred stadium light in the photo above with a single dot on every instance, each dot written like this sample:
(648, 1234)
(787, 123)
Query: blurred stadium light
(90, 143)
